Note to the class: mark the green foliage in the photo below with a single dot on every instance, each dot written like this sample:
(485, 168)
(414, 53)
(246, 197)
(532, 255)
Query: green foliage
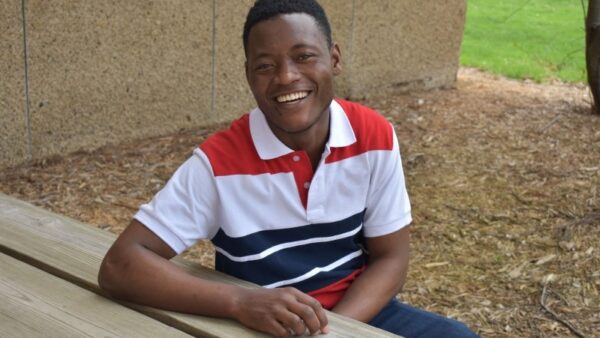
(526, 39)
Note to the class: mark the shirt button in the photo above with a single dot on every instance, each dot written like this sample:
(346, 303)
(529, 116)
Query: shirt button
(296, 158)
(306, 185)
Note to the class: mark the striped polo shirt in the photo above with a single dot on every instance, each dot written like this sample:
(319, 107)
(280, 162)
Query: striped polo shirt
(274, 221)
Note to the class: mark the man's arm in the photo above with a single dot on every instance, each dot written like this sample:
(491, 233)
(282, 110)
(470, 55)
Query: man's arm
(137, 269)
(383, 278)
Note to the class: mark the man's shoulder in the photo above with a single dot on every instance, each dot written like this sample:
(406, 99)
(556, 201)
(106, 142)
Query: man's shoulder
(237, 133)
(357, 112)
(228, 147)
(371, 129)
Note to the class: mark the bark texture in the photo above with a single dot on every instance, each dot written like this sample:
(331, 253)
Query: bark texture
(592, 50)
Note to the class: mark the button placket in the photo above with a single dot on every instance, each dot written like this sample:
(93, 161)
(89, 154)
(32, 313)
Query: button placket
(316, 197)
(302, 169)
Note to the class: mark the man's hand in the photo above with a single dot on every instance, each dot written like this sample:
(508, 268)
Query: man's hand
(280, 312)
(130, 269)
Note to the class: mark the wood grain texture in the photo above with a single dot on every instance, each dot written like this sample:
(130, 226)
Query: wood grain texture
(36, 304)
(73, 251)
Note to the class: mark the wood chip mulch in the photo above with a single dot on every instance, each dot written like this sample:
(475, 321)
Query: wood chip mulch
(504, 179)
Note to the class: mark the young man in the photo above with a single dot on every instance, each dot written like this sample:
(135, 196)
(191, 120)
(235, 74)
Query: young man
(304, 195)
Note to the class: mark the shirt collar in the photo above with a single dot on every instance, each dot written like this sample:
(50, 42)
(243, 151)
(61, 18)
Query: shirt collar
(269, 146)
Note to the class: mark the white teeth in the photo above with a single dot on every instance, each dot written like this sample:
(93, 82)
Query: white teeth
(291, 97)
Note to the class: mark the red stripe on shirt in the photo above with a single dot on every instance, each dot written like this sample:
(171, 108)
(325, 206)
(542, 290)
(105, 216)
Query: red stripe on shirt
(371, 129)
(232, 152)
(331, 294)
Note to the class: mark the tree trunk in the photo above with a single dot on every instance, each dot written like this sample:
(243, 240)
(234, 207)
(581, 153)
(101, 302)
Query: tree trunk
(592, 51)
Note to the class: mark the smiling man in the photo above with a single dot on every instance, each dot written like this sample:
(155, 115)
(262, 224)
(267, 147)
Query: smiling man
(290, 68)
(304, 196)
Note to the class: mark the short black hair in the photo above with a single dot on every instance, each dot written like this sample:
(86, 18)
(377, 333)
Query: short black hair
(267, 9)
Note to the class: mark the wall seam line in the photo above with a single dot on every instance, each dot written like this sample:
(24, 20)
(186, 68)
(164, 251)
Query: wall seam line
(213, 59)
(351, 52)
(26, 78)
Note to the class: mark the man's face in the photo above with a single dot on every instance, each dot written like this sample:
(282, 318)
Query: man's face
(290, 71)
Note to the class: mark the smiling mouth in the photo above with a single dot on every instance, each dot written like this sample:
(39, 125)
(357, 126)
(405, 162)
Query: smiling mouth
(291, 97)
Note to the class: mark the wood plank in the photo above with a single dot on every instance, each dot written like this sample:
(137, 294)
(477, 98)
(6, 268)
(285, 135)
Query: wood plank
(38, 304)
(73, 251)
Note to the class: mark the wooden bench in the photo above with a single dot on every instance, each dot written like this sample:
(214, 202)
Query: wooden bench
(50, 253)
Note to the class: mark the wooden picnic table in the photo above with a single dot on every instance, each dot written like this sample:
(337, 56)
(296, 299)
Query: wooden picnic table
(48, 286)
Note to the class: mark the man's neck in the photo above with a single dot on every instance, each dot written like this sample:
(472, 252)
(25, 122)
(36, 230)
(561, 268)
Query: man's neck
(312, 140)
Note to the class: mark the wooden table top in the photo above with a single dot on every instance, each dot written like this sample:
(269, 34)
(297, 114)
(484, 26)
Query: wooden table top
(36, 303)
(48, 286)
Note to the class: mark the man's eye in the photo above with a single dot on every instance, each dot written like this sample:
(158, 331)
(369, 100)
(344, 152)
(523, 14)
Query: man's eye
(263, 67)
(305, 57)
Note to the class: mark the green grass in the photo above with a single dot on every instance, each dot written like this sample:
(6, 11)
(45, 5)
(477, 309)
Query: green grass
(526, 39)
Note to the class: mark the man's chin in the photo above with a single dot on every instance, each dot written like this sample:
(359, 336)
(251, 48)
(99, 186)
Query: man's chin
(295, 130)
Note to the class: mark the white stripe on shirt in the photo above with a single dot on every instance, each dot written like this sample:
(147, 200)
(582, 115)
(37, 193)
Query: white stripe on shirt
(288, 245)
(315, 271)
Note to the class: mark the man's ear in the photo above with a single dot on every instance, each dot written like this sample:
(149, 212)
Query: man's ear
(336, 59)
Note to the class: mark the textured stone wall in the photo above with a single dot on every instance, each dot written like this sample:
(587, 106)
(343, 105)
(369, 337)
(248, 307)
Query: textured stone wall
(79, 74)
(13, 119)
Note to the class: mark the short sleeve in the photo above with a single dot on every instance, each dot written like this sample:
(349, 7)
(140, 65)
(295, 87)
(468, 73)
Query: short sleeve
(184, 210)
(387, 207)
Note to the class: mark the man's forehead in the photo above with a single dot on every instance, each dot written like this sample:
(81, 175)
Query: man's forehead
(299, 25)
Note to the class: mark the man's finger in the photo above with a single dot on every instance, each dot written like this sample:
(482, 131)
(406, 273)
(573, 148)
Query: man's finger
(308, 315)
(317, 310)
(294, 323)
(277, 329)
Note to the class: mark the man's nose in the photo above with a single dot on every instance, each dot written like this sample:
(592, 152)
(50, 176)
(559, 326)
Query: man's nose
(287, 72)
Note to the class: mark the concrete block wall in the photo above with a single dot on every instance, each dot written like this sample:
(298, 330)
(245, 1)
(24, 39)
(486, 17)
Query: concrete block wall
(80, 74)
(13, 118)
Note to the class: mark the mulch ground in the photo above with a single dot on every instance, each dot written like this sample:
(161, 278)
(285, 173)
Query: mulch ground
(504, 179)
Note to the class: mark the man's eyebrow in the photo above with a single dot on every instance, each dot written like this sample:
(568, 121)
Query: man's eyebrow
(262, 55)
(303, 45)
(294, 47)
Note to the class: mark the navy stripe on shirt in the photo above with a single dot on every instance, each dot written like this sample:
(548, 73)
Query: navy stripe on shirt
(263, 240)
(307, 257)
